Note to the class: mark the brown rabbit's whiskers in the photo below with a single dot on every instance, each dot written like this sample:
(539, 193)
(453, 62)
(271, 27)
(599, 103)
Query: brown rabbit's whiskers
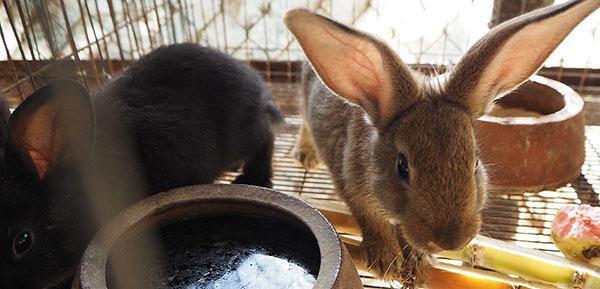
(390, 265)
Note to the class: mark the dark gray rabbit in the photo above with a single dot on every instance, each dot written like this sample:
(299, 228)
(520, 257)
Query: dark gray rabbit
(180, 115)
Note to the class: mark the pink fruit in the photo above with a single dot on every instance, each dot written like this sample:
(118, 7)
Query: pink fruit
(576, 232)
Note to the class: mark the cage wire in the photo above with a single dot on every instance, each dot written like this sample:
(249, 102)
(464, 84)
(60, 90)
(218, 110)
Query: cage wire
(92, 40)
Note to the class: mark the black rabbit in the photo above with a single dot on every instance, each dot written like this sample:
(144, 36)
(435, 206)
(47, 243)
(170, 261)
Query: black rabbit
(180, 115)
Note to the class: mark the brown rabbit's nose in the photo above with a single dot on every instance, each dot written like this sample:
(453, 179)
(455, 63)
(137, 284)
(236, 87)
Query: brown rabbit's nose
(449, 245)
(448, 238)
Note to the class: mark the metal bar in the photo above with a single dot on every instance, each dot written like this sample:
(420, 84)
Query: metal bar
(287, 52)
(87, 39)
(48, 25)
(135, 24)
(265, 12)
(108, 64)
(214, 9)
(12, 64)
(193, 14)
(560, 71)
(169, 35)
(111, 9)
(49, 34)
(582, 79)
(222, 6)
(24, 24)
(182, 19)
(160, 31)
(14, 29)
(247, 29)
(127, 27)
(171, 20)
(37, 48)
(205, 23)
(72, 43)
(102, 62)
(150, 36)
(28, 36)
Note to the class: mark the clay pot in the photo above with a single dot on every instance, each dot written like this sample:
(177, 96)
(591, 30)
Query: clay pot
(536, 140)
(336, 269)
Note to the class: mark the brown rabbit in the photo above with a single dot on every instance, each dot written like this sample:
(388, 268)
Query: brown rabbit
(400, 145)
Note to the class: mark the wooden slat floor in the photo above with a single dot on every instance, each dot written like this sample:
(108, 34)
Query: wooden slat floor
(520, 217)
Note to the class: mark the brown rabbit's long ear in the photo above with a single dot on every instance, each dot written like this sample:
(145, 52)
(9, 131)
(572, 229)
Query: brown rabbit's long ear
(510, 53)
(354, 65)
(54, 124)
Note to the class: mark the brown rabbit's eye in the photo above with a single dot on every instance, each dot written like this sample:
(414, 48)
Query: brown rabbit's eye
(22, 243)
(402, 167)
(476, 166)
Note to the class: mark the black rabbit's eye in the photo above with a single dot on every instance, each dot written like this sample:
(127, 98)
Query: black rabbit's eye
(402, 167)
(23, 242)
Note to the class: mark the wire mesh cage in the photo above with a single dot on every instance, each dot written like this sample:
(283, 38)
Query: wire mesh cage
(93, 40)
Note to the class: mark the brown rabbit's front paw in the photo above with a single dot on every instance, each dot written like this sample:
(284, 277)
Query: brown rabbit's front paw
(383, 260)
(416, 268)
(305, 156)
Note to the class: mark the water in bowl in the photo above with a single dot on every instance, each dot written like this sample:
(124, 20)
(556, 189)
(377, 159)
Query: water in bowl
(233, 252)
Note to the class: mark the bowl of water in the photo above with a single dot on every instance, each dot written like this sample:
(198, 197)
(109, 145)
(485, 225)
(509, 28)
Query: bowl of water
(217, 236)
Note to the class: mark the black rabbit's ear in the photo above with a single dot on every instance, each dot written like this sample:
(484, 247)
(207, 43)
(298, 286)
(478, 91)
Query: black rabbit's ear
(55, 124)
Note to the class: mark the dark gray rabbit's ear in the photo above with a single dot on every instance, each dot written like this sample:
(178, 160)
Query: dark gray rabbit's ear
(55, 124)
(510, 53)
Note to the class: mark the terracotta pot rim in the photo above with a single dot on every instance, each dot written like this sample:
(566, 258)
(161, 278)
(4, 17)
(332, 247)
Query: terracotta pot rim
(573, 106)
(94, 261)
